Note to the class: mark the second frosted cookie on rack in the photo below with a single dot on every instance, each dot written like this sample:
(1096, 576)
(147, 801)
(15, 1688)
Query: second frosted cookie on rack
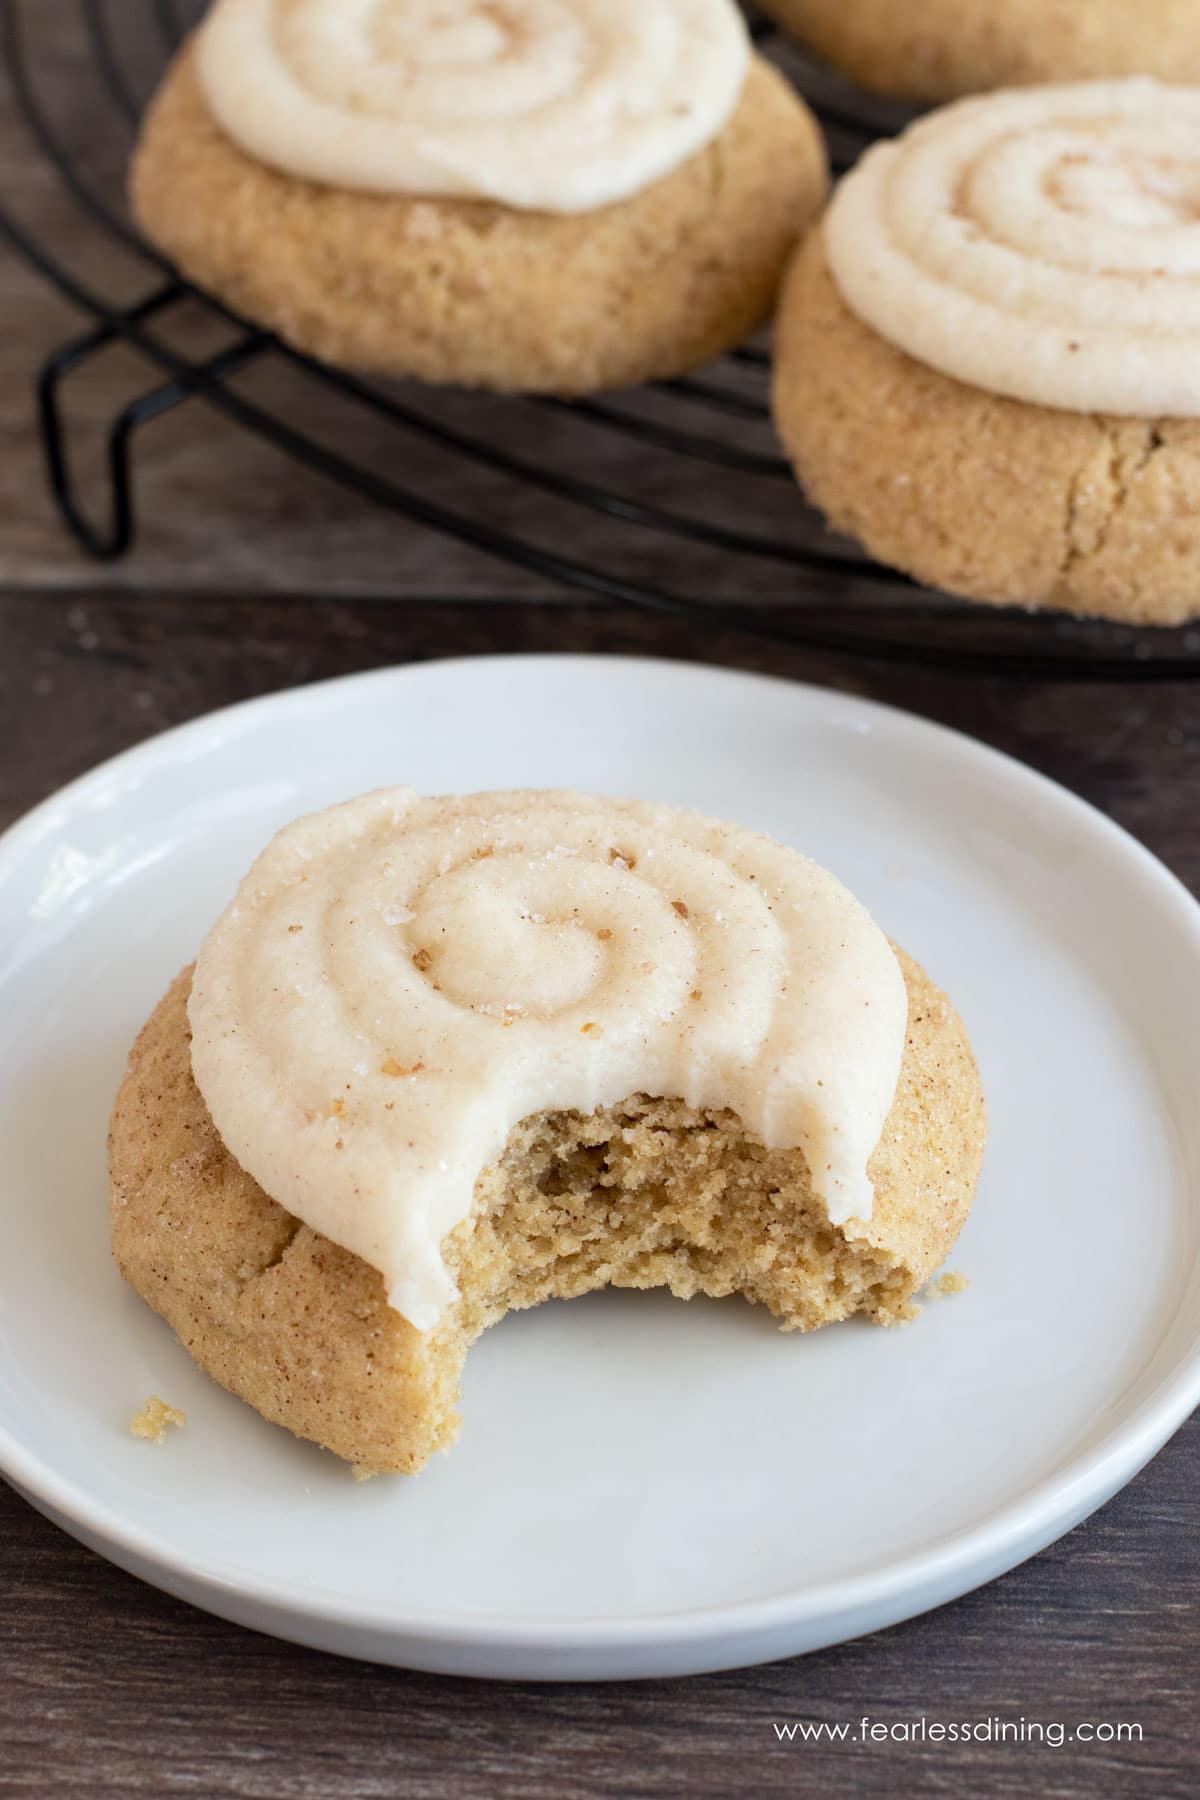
(987, 357)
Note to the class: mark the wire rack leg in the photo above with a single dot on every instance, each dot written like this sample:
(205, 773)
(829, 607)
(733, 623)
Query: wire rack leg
(112, 535)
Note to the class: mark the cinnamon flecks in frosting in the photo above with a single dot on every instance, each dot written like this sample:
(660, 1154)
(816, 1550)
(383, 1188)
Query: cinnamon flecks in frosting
(465, 963)
(552, 105)
(1042, 243)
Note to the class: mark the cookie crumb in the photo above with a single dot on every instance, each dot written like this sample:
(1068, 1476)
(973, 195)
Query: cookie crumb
(154, 1418)
(952, 1282)
(361, 1472)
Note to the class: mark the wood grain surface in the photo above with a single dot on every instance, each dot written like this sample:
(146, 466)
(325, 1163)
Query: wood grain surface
(249, 576)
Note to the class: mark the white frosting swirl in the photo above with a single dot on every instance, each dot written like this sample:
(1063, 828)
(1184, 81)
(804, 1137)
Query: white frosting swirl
(557, 105)
(1042, 243)
(399, 981)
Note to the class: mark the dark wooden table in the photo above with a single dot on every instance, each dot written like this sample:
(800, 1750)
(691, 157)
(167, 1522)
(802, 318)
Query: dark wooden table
(250, 576)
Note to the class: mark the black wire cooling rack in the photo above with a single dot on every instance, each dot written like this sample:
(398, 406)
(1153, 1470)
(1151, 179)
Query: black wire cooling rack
(835, 599)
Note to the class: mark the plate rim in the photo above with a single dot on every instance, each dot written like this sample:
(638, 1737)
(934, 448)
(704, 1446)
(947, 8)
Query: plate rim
(998, 1539)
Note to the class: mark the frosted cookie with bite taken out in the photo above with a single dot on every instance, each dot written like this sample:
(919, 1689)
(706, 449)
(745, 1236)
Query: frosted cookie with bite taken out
(552, 196)
(439, 1059)
(987, 355)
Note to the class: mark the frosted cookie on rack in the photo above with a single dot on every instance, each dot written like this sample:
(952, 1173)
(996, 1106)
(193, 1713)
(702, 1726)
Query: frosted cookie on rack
(444, 1058)
(940, 49)
(987, 355)
(550, 196)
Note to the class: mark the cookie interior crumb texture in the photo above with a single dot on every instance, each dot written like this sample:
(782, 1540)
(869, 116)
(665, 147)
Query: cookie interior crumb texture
(152, 1421)
(648, 1193)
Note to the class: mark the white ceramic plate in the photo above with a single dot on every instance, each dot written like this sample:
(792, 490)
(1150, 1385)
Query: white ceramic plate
(641, 1487)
